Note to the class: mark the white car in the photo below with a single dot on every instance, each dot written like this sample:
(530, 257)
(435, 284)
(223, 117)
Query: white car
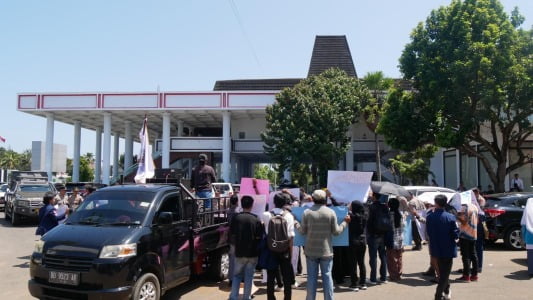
(3, 189)
(222, 189)
(417, 190)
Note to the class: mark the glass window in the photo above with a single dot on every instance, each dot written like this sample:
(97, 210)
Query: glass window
(450, 169)
(469, 171)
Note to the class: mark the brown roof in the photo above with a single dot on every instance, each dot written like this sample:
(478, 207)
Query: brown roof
(331, 51)
(255, 84)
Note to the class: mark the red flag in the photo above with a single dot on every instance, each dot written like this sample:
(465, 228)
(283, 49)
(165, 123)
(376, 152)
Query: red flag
(2, 139)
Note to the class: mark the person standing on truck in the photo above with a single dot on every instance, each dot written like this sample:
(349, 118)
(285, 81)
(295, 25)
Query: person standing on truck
(246, 231)
(203, 175)
(48, 217)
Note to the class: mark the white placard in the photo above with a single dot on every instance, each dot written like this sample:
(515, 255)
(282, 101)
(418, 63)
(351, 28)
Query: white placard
(259, 205)
(347, 186)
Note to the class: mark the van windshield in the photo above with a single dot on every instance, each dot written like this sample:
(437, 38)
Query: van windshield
(113, 208)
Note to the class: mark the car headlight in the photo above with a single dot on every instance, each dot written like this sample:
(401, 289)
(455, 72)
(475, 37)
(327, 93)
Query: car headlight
(23, 203)
(38, 247)
(117, 251)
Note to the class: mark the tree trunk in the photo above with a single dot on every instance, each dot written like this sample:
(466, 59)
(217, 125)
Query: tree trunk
(378, 157)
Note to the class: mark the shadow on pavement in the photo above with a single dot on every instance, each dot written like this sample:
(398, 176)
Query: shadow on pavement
(519, 275)
(520, 261)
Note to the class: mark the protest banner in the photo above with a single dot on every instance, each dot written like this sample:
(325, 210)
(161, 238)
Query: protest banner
(347, 186)
(339, 240)
(252, 186)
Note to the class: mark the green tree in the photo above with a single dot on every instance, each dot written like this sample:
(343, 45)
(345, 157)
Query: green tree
(414, 166)
(24, 160)
(10, 160)
(264, 171)
(308, 123)
(372, 107)
(472, 69)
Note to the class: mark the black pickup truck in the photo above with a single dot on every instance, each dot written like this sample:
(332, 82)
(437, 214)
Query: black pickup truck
(130, 242)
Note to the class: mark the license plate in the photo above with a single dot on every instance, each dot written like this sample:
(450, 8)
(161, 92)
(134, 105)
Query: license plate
(70, 278)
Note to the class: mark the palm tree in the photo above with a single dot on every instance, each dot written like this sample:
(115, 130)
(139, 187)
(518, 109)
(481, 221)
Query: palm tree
(10, 160)
(378, 85)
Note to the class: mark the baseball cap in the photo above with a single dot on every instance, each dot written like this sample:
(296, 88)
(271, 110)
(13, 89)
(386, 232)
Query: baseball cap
(202, 157)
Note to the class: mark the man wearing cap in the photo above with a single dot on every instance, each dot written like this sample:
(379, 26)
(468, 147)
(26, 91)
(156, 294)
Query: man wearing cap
(203, 176)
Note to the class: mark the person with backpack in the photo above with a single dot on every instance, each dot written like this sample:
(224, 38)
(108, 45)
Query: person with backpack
(319, 225)
(245, 233)
(279, 228)
(379, 225)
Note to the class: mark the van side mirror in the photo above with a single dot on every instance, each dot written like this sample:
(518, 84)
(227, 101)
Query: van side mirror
(164, 218)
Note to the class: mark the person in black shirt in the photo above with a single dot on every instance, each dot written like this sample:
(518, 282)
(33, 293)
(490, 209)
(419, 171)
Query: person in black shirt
(203, 175)
(246, 232)
(357, 242)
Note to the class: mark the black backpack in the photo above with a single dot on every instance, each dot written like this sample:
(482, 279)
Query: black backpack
(382, 222)
(278, 237)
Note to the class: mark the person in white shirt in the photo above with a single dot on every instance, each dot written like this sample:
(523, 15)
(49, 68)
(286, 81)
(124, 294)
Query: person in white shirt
(280, 200)
(517, 184)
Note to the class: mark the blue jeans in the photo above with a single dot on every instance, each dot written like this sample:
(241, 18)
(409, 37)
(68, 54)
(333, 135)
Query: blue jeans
(325, 263)
(244, 271)
(206, 194)
(376, 245)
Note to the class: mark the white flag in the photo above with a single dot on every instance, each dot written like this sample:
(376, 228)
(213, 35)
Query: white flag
(146, 163)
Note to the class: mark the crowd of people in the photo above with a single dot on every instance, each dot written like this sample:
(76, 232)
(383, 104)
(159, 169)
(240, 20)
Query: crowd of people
(58, 206)
(382, 226)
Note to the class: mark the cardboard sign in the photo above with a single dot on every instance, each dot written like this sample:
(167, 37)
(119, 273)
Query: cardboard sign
(347, 186)
(259, 205)
(261, 186)
(339, 240)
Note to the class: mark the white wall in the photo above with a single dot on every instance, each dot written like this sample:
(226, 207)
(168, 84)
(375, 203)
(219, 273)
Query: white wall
(38, 157)
(251, 127)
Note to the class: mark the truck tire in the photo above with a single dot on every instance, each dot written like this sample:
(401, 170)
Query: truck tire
(219, 265)
(512, 238)
(6, 216)
(15, 219)
(147, 288)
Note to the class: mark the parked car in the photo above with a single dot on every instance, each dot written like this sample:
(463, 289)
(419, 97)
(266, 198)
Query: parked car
(222, 189)
(129, 242)
(420, 189)
(24, 196)
(504, 212)
(3, 189)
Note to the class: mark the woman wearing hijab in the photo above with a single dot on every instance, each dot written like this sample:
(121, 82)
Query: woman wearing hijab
(394, 241)
(357, 245)
(527, 233)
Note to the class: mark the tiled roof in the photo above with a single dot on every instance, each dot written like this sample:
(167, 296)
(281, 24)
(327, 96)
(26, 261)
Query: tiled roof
(255, 84)
(331, 51)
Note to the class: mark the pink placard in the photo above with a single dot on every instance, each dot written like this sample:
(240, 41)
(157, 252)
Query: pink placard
(261, 186)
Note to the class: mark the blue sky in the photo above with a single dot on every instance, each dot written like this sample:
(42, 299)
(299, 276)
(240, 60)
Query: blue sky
(178, 45)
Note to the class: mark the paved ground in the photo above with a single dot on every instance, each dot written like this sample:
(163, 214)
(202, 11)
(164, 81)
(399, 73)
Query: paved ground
(504, 276)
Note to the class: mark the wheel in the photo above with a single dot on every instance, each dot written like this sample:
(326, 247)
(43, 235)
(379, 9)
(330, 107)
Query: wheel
(513, 238)
(15, 219)
(6, 216)
(146, 288)
(219, 265)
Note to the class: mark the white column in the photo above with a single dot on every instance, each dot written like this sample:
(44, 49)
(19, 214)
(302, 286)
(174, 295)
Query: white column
(226, 145)
(349, 153)
(49, 149)
(98, 156)
(76, 159)
(128, 146)
(116, 154)
(106, 152)
(165, 149)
